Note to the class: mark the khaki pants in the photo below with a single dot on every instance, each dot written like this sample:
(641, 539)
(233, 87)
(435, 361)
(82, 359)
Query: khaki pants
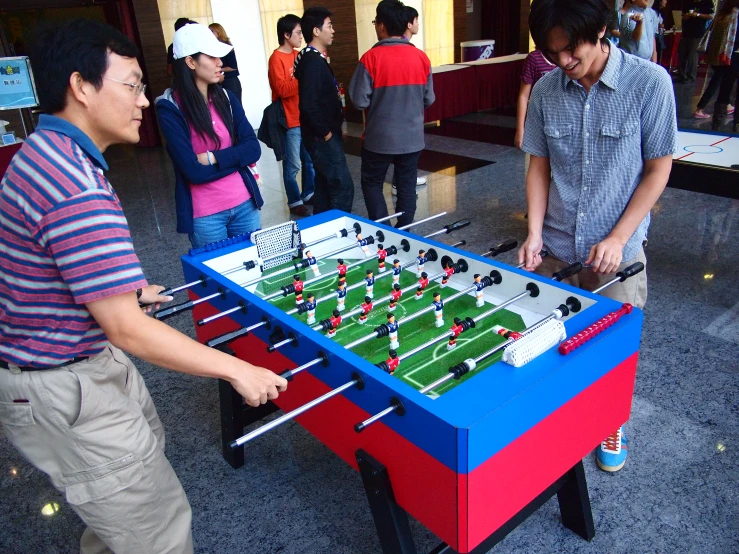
(93, 429)
(632, 290)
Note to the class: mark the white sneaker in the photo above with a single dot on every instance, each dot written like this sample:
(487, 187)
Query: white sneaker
(420, 181)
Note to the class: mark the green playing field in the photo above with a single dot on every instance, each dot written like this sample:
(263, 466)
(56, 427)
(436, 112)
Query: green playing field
(426, 366)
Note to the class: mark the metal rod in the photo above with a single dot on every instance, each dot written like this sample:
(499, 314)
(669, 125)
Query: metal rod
(608, 284)
(404, 227)
(218, 315)
(396, 214)
(377, 417)
(295, 413)
(306, 366)
(280, 344)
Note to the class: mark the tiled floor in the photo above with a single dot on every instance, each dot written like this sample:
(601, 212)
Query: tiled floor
(676, 494)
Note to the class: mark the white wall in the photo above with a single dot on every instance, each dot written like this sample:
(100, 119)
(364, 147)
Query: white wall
(243, 25)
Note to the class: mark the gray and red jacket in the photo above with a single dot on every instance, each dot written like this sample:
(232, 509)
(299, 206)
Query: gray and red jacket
(393, 83)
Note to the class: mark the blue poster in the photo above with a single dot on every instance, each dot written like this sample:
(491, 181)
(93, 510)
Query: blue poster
(17, 89)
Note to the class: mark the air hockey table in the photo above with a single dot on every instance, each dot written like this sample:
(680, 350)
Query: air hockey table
(704, 163)
(470, 464)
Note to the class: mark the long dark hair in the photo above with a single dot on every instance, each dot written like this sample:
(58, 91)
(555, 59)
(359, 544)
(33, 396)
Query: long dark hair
(193, 105)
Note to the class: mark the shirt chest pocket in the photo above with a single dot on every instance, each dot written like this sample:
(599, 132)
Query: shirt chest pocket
(560, 139)
(620, 144)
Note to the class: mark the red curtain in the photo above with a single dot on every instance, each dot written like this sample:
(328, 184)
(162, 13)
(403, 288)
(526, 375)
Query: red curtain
(500, 21)
(148, 131)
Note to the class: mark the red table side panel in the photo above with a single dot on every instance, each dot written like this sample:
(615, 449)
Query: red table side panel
(498, 84)
(528, 469)
(423, 486)
(456, 94)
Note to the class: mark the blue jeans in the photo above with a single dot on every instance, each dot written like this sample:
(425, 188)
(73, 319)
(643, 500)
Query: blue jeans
(334, 185)
(244, 218)
(295, 154)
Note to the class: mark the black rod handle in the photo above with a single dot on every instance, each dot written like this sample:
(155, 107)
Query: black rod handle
(172, 310)
(504, 246)
(630, 271)
(228, 337)
(568, 271)
(461, 224)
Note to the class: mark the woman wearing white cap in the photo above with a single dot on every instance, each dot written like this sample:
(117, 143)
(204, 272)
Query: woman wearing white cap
(210, 142)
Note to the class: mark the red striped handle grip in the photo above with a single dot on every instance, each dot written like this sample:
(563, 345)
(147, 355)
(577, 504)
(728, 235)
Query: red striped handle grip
(589, 332)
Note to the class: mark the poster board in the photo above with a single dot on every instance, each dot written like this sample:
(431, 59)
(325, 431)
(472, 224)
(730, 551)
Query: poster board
(17, 87)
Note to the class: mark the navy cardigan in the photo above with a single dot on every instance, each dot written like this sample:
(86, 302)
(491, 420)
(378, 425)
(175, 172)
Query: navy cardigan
(188, 170)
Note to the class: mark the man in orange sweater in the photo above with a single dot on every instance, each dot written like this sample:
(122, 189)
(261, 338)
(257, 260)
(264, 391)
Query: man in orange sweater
(285, 86)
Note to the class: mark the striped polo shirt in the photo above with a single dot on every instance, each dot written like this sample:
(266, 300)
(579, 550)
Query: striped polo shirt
(65, 242)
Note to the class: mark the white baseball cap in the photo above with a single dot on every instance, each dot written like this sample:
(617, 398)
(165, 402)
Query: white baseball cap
(194, 38)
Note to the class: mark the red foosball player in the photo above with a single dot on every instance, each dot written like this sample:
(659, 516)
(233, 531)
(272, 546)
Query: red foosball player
(298, 284)
(507, 333)
(456, 330)
(366, 309)
(342, 270)
(392, 362)
(422, 284)
(334, 321)
(395, 295)
(382, 254)
(448, 272)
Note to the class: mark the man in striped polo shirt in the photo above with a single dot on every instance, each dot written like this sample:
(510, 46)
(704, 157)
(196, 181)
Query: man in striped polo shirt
(70, 401)
(393, 83)
(601, 130)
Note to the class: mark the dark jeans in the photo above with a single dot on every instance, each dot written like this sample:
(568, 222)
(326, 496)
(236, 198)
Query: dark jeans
(374, 170)
(334, 185)
(687, 55)
(234, 85)
(720, 80)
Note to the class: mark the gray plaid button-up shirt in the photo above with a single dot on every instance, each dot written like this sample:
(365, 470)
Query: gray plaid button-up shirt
(596, 143)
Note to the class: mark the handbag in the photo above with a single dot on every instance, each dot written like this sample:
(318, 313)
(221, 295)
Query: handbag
(703, 44)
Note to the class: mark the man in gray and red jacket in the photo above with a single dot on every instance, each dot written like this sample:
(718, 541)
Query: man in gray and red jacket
(393, 83)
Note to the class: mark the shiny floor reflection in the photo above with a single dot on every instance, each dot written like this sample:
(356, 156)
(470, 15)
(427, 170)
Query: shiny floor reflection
(677, 492)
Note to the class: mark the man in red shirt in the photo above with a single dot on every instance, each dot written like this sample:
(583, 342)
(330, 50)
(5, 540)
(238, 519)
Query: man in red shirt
(285, 87)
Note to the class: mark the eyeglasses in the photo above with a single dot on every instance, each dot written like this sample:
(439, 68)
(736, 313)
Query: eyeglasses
(138, 89)
(374, 22)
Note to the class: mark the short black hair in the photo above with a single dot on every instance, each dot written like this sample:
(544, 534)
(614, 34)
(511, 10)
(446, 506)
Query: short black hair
(410, 14)
(313, 18)
(367, 300)
(580, 20)
(285, 26)
(181, 22)
(391, 13)
(78, 45)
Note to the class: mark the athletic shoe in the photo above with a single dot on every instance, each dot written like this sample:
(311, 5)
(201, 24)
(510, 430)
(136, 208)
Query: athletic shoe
(729, 109)
(612, 452)
(300, 210)
(420, 181)
(700, 114)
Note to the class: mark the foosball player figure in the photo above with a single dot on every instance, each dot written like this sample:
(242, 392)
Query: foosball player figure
(310, 306)
(341, 296)
(422, 284)
(391, 364)
(369, 281)
(438, 309)
(341, 268)
(506, 333)
(382, 254)
(312, 263)
(396, 271)
(448, 272)
(421, 259)
(479, 285)
(363, 243)
(298, 284)
(456, 329)
(366, 309)
(392, 327)
(334, 321)
(395, 295)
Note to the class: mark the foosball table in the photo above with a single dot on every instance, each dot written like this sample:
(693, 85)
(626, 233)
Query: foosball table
(465, 391)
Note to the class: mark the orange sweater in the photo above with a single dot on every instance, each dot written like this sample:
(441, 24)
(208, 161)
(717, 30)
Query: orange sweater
(284, 85)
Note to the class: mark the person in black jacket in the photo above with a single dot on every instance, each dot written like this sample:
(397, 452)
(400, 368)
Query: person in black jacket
(321, 114)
